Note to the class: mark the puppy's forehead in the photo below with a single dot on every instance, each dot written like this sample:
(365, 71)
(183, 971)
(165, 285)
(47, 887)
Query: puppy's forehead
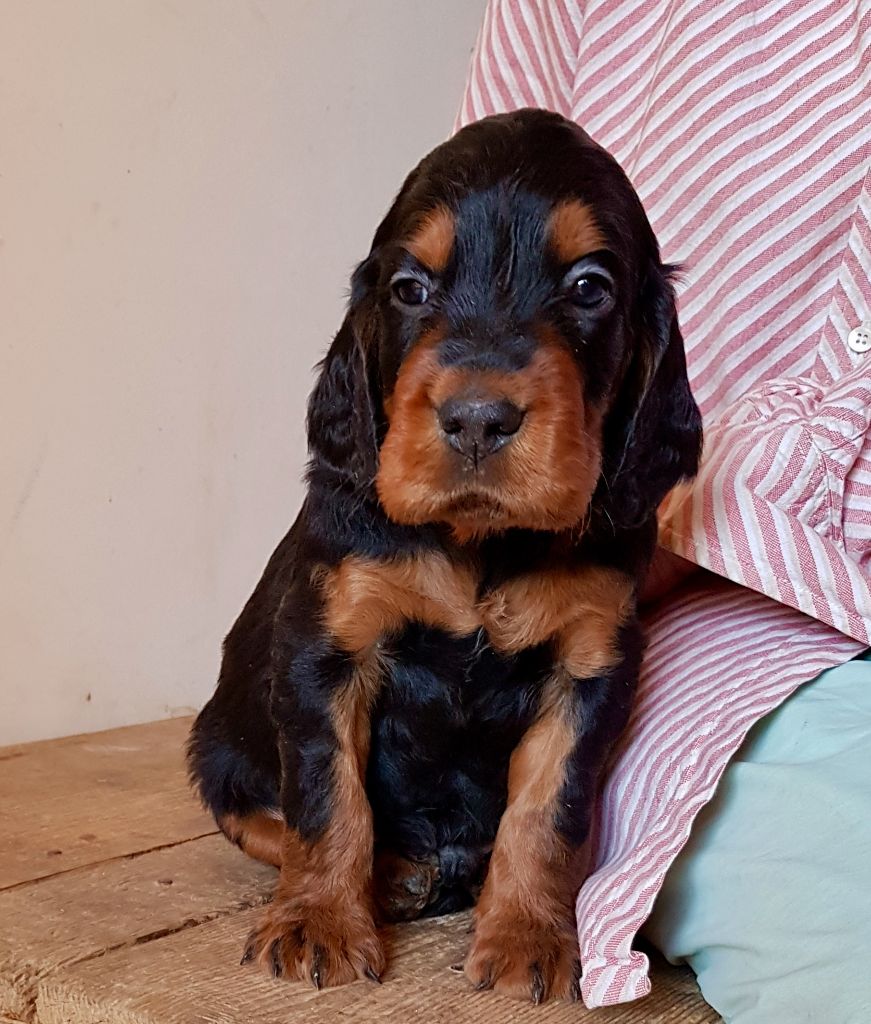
(502, 230)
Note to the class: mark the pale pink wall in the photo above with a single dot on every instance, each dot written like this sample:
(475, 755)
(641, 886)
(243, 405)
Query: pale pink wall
(184, 187)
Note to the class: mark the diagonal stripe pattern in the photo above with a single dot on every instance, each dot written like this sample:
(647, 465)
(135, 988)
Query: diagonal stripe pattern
(745, 129)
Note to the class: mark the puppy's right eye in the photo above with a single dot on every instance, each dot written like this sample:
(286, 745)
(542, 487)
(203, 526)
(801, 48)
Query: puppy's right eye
(410, 291)
(590, 290)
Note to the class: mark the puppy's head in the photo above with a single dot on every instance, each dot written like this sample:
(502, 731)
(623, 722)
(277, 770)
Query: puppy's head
(511, 355)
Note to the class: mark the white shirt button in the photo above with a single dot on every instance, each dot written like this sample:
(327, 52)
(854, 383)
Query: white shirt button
(859, 339)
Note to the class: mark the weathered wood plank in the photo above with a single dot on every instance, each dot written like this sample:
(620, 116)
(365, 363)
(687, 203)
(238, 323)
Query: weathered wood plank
(138, 921)
(84, 913)
(84, 799)
(192, 977)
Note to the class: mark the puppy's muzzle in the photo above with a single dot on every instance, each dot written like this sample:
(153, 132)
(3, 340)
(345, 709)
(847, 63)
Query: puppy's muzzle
(476, 425)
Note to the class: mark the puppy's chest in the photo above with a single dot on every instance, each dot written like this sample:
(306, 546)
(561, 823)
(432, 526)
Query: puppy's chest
(574, 610)
(451, 684)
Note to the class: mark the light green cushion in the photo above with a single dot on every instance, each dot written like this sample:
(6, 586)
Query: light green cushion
(770, 900)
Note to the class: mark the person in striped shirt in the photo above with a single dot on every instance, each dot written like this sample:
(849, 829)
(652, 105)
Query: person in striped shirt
(744, 128)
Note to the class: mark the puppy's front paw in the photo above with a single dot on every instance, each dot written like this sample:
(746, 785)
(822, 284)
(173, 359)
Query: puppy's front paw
(324, 945)
(524, 958)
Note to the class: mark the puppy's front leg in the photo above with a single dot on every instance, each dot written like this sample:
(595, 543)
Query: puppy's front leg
(526, 942)
(319, 926)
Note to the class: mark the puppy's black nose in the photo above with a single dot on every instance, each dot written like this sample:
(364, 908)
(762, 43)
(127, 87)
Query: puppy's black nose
(476, 426)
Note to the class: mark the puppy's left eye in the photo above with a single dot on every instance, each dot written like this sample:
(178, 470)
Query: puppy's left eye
(410, 291)
(591, 290)
(589, 286)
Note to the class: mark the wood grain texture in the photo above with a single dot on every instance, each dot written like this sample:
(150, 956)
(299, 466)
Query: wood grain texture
(84, 799)
(85, 913)
(193, 978)
(142, 920)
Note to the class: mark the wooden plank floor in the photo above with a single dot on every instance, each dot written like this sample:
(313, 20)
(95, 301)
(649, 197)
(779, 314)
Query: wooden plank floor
(120, 905)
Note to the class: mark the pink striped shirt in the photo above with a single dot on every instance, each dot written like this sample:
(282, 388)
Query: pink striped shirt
(745, 129)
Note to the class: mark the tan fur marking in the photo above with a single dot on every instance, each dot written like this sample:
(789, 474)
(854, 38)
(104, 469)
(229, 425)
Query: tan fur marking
(573, 231)
(527, 844)
(259, 835)
(341, 861)
(433, 240)
(588, 646)
(535, 774)
(582, 608)
(367, 600)
(524, 917)
(543, 479)
(320, 921)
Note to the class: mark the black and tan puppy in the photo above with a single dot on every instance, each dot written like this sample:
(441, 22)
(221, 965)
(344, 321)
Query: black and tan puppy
(416, 704)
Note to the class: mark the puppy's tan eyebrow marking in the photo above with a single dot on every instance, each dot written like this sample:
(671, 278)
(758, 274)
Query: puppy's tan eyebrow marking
(433, 239)
(573, 231)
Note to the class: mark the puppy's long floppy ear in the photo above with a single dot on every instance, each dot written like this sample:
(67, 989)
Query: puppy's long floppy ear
(654, 430)
(344, 406)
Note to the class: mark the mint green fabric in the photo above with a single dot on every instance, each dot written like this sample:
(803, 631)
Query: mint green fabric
(770, 900)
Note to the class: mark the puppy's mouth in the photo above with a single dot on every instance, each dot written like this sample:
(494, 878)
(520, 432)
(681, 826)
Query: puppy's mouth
(474, 504)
